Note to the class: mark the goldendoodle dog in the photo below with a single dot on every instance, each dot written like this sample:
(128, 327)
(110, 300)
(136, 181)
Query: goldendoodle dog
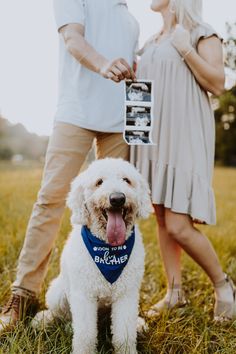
(103, 260)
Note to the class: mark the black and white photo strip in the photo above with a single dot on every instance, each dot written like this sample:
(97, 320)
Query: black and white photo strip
(138, 112)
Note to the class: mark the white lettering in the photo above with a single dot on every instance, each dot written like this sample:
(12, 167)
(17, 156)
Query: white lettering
(111, 259)
(123, 258)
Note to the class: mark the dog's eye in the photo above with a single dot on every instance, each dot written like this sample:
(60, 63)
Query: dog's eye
(127, 180)
(99, 182)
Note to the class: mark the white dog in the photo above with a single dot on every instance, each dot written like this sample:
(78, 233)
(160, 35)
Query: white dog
(103, 260)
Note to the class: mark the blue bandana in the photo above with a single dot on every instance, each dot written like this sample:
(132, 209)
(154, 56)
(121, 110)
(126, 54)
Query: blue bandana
(109, 260)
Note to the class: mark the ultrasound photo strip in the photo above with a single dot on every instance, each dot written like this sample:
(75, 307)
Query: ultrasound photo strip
(138, 112)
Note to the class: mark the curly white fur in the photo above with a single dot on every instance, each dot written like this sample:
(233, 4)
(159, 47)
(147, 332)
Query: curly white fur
(80, 284)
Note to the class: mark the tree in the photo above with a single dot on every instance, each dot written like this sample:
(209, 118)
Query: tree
(16, 140)
(226, 128)
(225, 114)
(230, 46)
(5, 153)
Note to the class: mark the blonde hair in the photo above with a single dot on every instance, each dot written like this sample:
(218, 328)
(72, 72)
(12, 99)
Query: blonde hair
(188, 12)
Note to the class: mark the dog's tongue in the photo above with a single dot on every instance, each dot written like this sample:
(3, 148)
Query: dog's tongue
(116, 229)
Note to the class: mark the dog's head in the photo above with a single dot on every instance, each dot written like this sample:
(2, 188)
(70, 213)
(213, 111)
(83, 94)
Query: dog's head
(108, 197)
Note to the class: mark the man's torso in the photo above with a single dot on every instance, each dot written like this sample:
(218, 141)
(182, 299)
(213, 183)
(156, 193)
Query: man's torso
(85, 98)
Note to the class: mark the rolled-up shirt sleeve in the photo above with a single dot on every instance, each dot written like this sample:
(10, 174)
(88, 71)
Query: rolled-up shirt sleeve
(69, 11)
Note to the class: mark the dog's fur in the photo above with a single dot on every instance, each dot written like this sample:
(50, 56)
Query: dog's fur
(80, 284)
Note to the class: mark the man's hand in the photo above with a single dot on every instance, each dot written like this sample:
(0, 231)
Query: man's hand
(180, 39)
(82, 51)
(118, 70)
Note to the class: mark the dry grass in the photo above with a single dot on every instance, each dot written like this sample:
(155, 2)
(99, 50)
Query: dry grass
(188, 330)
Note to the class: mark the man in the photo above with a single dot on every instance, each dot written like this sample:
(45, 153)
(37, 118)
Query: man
(93, 35)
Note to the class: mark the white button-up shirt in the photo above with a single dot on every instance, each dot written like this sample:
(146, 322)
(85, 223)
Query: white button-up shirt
(85, 98)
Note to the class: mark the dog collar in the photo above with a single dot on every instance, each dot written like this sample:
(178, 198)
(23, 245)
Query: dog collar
(110, 260)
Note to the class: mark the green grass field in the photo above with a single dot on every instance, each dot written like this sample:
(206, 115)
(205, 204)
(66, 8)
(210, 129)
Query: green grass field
(187, 330)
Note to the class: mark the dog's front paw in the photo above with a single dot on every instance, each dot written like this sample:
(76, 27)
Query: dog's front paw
(142, 326)
(42, 319)
(126, 350)
(80, 350)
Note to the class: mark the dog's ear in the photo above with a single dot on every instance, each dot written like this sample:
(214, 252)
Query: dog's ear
(145, 204)
(76, 201)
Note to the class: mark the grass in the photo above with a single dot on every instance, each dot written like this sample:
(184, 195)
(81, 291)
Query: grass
(188, 330)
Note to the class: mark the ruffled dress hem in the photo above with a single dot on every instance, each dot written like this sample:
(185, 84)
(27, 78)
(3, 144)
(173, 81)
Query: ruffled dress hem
(184, 192)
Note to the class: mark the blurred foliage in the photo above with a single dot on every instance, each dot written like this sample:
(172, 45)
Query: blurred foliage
(5, 153)
(230, 46)
(226, 128)
(226, 107)
(16, 141)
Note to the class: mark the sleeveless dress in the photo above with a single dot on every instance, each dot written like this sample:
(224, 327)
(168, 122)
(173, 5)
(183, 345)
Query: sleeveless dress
(179, 167)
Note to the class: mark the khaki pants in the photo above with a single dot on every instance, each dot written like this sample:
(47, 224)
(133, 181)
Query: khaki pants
(67, 150)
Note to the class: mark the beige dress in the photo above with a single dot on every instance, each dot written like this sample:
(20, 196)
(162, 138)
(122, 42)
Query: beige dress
(179, 167)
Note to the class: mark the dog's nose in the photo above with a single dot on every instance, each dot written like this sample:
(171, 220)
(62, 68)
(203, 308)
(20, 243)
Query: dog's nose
(117, 200)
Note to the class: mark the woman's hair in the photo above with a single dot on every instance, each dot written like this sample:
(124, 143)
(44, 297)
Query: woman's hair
(188, 12)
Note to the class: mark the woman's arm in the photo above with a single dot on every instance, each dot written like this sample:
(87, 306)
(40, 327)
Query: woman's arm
(206, 63)
(82, 51)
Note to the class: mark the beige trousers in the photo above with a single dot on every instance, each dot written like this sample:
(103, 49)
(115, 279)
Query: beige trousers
(67, 150)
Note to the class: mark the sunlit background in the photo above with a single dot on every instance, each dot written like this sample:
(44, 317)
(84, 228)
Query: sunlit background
(29, 54)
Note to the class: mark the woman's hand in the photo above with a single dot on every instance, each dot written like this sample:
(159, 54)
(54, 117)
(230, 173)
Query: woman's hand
(180, 39)
(206, 63)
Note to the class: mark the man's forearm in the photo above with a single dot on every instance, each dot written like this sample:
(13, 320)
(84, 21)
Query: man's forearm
(82, 51)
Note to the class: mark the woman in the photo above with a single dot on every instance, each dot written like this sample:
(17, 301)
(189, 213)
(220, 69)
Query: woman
(185, 61)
